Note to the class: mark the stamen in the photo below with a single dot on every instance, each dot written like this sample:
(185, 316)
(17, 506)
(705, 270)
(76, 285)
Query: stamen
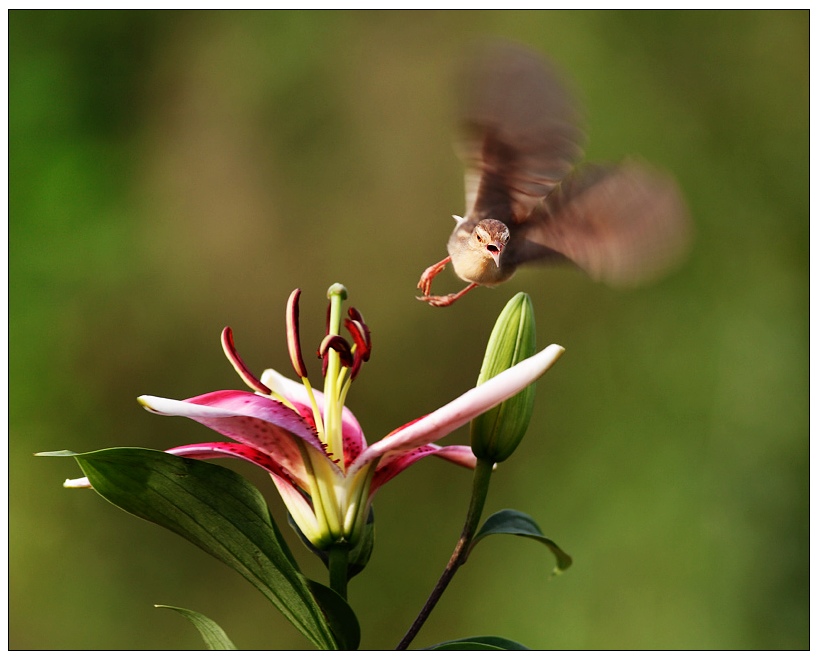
(340, 346)
(355, 315)
(361, 354)
(293, 339)
(238, 364)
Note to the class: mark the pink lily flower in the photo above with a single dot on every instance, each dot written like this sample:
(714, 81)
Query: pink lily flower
(311, 443)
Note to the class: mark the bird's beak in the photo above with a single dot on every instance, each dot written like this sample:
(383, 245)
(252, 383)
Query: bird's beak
(495, 253)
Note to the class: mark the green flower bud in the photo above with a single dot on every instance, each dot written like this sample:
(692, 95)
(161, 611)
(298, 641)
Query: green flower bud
(496, 433)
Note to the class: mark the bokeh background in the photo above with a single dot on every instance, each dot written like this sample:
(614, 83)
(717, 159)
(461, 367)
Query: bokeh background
(173, 173)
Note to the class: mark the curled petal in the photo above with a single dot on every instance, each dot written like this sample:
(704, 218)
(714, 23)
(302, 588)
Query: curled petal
(392, 465)
(238, 364)
(455, 414)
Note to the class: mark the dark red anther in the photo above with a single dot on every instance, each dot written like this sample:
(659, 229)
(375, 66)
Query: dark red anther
(238, 364)
(293, 339)
(339, 345)
(366, 344)
(361, 353)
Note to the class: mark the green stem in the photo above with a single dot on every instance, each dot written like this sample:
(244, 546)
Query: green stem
(480, 489)
(338, 561)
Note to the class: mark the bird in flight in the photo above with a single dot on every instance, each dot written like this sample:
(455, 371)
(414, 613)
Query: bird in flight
(528, 200)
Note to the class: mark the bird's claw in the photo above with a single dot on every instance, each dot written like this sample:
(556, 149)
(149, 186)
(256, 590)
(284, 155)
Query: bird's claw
(425, 283)
(438, 301)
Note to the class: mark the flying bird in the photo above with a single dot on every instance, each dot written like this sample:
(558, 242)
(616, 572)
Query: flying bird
(528, 200)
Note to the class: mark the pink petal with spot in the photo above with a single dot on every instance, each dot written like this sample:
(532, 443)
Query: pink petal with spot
(237, 450)
(251, 419)
(391, 466)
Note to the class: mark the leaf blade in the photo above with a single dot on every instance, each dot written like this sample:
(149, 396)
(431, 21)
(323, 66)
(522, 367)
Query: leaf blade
(479, 643)
(212, 633)
(217, 510)
(509, 521)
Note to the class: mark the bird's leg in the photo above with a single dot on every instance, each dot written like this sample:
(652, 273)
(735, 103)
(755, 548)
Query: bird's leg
(430, 273)
(445, 301)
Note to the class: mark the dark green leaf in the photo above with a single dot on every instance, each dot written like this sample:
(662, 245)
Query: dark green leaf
(509, 521)
(214, 637)
(483, 643)
(218, 510)
(339, 615)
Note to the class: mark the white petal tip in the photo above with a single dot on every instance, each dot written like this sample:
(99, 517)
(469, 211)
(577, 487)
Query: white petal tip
(82, 482)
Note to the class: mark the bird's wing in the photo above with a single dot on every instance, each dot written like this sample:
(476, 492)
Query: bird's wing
(521, 134)
(623, 225)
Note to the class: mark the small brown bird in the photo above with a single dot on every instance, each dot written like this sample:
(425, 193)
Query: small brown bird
(525, 201)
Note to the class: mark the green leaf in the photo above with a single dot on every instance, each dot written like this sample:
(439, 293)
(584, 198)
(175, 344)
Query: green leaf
(339, 615)
(218, 510)
(508, 521)
(214, 637)
(483, 643)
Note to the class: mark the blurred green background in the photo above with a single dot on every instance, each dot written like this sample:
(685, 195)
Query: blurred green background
(173, 173)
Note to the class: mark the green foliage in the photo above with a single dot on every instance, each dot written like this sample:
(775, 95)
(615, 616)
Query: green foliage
(518, 523)
(217, 510)
(482, 643)
(212, 634)
(339, 616)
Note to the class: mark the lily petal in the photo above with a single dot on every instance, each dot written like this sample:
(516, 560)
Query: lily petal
(251, 419)
(391, 466)
(81, 482)
(299, 507)
(237, 450)
(463, 409)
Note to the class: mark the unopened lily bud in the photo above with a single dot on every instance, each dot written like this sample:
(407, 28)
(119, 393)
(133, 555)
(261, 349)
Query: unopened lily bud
(496, 433)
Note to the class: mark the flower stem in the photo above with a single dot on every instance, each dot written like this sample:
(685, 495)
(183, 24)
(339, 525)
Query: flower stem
(480, 489)
(338, 561)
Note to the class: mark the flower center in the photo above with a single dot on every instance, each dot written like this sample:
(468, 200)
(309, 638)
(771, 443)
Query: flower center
(341, 362)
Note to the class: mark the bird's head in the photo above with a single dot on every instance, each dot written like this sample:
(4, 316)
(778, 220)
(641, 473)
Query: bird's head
(489, 239)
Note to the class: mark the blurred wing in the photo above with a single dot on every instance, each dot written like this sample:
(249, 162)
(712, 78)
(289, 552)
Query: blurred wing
(623, 225)
(521, 133)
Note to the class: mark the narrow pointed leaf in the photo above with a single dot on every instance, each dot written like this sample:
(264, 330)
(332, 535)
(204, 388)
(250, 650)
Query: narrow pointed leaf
(509, 521)
(483, 643)
(212, 634)
(216, 509)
